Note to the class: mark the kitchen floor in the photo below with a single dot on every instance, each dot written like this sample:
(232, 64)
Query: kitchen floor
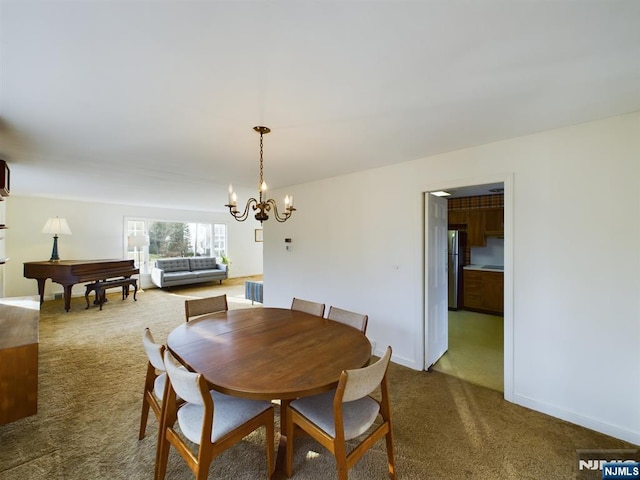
(476, 349)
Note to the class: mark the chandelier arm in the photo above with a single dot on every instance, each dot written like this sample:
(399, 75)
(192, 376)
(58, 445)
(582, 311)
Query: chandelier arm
(287, 213)
(245, 214)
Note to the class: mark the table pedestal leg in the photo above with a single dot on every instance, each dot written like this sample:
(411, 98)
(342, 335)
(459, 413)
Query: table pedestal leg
(279, 470)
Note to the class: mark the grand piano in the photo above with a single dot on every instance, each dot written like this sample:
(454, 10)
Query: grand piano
(69, 272)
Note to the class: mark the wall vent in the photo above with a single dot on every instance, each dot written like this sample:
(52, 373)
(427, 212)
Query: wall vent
(58, 296)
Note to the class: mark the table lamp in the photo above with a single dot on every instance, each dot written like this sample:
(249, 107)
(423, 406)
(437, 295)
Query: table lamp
(56, 226)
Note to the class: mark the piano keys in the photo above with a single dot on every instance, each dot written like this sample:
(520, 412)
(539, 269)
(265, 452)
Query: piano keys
(70, 272)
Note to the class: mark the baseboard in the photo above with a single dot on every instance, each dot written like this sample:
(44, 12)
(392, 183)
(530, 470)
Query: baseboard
(399, 360)
(577, 419)
(552, 410)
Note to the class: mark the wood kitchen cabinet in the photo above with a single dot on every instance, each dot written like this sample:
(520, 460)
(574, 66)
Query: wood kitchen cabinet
(480, 222)
(472, 297)
(458, 217)
(475, 228)
(484, 291)
(494, 221)
(493, 291)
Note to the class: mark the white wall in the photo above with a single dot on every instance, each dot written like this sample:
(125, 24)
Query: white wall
(98, 233)
(491, 254)
(574, 319)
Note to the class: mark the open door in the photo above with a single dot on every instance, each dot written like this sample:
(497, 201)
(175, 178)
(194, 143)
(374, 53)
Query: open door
(436, 279)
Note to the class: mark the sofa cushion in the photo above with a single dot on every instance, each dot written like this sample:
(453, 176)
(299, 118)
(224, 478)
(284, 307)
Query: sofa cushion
(203, 263)
(177, 276)
(173, 264)
(213, 273)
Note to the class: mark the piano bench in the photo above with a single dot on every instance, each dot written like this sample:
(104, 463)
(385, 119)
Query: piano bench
(101, 285)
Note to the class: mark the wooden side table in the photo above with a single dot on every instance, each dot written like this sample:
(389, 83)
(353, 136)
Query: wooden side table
(19, 318)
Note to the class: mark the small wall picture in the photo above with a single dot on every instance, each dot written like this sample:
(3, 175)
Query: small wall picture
(258, 235)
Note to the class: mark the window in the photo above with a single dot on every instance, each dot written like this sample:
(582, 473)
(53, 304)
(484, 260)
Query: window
(220, 239)
(173, 239)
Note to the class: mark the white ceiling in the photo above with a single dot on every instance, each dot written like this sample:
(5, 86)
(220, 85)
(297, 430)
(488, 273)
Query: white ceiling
(153, 102)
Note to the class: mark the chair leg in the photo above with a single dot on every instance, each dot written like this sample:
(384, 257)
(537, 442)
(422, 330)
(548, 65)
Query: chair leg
(162, 456)
(204, 462)
(168, 417)
(390, 455)
(144, 416)
(148, 387)
(340, 453)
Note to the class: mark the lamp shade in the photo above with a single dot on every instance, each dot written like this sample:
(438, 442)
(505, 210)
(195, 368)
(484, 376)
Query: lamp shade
(57, 226)
(138, 240)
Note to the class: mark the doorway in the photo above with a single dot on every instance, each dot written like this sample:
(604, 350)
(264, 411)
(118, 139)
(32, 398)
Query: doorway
(476, 349)
(479, 347)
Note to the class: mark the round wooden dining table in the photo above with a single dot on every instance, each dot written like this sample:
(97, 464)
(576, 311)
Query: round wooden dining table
(269, 353)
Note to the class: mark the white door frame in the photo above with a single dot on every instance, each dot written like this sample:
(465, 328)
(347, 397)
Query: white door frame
(507, 179)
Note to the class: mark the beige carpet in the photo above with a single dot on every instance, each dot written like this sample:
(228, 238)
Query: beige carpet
(92, 369)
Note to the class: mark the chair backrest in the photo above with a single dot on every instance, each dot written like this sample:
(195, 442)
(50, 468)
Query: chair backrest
(355, 320)
(202, 306)
(186, 384)
(306, 306)
(154, 350)
(358, 383)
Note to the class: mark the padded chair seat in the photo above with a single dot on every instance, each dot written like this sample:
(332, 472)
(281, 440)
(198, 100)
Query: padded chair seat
(211, 420)
(158, 385)
(202, 306)
(320, 416)
(228, 414)
(314, 308)
(358, 415)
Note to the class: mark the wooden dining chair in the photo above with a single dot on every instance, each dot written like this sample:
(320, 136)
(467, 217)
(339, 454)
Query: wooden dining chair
(346, 413)
(202, 306)
(212, 420)
(154, 381)
(355, 320)
(313, 308)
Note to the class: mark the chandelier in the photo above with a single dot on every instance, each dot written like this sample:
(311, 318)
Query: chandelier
(262, 206)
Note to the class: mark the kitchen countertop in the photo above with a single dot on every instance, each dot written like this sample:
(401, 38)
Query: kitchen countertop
(485, 268)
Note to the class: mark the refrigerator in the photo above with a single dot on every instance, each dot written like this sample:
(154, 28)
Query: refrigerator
(457, 241)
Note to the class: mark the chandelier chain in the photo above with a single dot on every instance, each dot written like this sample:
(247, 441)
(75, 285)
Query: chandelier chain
(261, 169)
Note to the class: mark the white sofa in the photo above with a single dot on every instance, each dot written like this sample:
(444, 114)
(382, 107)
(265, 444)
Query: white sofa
(169, 272)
